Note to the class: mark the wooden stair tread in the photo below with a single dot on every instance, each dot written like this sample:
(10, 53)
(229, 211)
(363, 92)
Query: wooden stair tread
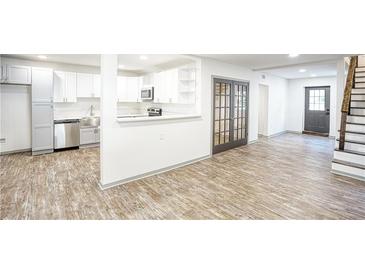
(346, 163)
(351, 151)
(352, 123)
(354, 132)
(353, 142)
(357, 115)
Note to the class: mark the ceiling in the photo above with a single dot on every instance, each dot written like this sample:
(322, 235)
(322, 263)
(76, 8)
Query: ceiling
(305, 71)
(128, 62)
(267, 61)
(282, 65)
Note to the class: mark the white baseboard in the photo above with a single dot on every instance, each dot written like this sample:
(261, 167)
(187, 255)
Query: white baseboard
(15, 151)
(294, 132)
(151, 173)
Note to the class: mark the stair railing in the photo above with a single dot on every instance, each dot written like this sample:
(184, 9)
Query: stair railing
(346, 102)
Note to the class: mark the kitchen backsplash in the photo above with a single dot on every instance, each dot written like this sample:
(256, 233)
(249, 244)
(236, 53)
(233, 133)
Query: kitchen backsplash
(76, 110)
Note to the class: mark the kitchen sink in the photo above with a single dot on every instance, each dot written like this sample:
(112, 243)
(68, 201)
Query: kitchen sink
(91, 121)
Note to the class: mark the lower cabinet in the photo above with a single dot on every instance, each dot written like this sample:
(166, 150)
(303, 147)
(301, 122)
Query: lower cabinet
(89, 135)
(42, 127)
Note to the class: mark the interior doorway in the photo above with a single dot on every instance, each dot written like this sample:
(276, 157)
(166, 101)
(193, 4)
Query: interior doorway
(230, 114)
(263, 109)
(317, 110)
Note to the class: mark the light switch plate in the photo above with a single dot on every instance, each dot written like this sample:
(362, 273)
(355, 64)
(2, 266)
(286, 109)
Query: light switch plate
(2, 140)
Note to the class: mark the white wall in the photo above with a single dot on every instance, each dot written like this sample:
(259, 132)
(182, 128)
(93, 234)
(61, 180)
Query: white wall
(133, 149)
(296, 97)
(263, 109)
(277, 102)
(361, 61)
(129, 150)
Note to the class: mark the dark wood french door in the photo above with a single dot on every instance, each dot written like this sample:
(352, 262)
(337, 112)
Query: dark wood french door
(230, 114)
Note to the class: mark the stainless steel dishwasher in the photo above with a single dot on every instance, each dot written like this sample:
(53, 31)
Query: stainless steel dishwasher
(66, 133)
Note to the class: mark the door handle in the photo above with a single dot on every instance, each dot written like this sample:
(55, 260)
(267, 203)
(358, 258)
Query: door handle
(327, 111)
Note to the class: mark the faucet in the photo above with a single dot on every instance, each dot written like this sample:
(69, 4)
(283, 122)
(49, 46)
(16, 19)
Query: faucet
(92, 110)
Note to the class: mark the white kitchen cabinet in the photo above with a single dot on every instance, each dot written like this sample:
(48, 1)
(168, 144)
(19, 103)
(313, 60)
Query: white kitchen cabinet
(88, 85)
(148, 79)
(65, 87)
(166, 87)
(42, 85)
(89, 135)
(159, 87)
(42, 127)
(42, 110)
(96, 85)
(129, 89)
(15, 74)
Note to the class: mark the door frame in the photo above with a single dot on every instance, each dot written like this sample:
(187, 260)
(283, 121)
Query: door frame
(247, 82)
(329, 116)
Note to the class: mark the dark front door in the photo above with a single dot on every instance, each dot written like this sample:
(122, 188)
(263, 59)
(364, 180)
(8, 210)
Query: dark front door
(230, 114)
(317, 109)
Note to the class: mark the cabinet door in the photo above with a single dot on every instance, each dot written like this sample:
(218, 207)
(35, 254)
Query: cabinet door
(3, 73)
(122, 89)
(70, 91)
(148, 79)
(87, 136)
(42, 126)
(19, 74)
(133, 89)
(96, 85)
(85, 85)
(42, 85)
(159, 87)
(171, 86)
(97, 135)
(59, 86)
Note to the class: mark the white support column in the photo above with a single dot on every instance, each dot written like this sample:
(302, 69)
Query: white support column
(108, 104)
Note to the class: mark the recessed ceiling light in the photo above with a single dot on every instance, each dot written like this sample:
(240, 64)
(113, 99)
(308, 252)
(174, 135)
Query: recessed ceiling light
(143, 57)
(121, 66)
(293, 55)
(302, 70)
(43, 57)
(313, 75)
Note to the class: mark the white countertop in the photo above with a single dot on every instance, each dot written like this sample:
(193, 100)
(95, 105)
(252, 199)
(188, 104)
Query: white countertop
(67, 117)
(129, 119)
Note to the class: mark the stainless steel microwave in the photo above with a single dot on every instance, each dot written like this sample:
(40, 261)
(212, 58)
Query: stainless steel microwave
(147, 93)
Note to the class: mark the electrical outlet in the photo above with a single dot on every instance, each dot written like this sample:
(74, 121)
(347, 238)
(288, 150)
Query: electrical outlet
(162, 137)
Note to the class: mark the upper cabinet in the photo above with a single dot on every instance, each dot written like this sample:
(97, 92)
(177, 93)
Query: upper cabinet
(166, 86)
(42, 85)
(129, 89)
(15, 74)
(176, 86)
(65, 87)
(88, 85)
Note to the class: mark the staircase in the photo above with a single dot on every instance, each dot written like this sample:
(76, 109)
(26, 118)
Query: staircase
(349, 155)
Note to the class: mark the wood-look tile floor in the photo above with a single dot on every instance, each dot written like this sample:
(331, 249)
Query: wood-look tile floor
(286, 177)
